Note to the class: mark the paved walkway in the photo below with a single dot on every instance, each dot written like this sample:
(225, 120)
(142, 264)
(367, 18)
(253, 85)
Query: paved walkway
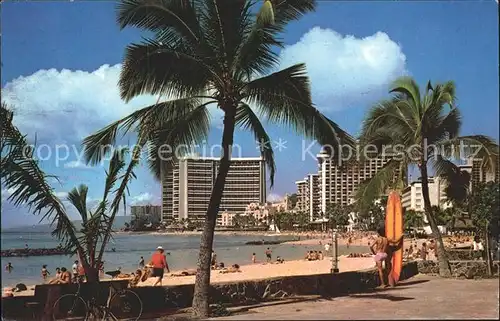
(421, 297)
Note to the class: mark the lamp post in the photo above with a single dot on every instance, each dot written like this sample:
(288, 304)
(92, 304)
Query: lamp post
(335, 268)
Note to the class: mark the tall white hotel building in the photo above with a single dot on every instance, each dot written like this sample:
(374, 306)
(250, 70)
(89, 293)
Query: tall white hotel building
(334, 183)
(186, 189)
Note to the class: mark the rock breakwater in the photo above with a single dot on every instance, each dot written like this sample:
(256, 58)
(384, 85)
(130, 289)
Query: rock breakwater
(33, 252)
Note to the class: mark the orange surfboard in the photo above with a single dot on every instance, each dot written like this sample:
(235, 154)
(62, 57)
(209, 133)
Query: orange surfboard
(394, 230)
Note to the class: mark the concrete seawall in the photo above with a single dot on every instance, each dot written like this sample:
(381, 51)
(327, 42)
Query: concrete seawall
(159, 299)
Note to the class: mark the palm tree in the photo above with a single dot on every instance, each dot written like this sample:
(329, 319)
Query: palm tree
(413, 219)
(211, 52)
(21, 172)
(423, 130)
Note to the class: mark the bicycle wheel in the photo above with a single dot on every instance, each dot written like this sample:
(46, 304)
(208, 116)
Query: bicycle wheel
(69, 307)
(125, 305)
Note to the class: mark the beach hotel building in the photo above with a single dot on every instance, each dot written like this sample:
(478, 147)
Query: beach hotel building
(412, 199)
(338, 183)
(186, 189)
(334, 183)
(308, 196)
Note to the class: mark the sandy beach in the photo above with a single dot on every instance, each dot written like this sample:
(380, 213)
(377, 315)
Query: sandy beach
(259, 271)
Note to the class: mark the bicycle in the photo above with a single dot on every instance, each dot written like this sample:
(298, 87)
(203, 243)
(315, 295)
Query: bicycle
(124, 304)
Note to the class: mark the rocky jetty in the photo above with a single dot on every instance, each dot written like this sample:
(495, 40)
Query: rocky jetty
(33, 252)
(267, 242)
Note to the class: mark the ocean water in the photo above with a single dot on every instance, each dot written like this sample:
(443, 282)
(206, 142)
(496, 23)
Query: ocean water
(182, 251)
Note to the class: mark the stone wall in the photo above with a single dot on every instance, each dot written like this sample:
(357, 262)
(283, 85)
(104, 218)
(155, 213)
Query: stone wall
(463, 268)
(230, 294)
(459, 254)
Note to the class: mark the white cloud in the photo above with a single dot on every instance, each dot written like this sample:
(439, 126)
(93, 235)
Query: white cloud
(274, 197)
(6, 192)
(142, 198)
(68, 105)
(61, 195)
(344, 70)
(77, 164)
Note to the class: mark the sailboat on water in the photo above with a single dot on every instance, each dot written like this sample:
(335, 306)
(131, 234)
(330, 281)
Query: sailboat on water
(274, 228)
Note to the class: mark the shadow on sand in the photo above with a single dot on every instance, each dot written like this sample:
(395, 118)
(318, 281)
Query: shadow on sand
(381, 296)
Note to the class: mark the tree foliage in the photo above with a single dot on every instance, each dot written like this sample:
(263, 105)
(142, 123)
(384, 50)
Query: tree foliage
(413, 219)
(291, 220)
(220, 53)
(427, 126)
(21, 172)
(485, 206)
(337, 215)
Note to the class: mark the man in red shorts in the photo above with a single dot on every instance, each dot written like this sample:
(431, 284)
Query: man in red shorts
(159, 262)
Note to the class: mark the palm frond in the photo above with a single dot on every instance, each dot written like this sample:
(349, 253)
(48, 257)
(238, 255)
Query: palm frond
(154, 67)
(119, 194)
(246, 118)
(284, 97)
(387, 177)
(478, 147)
(224, 23)
(185, 127)
(21, 172)
(78, 198)
(408, 87)
(178, 18)
(285, 11)
(98, 145)
(266, 13)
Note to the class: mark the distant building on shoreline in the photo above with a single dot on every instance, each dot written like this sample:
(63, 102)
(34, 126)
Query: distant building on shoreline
(412, 198)
(148, 213)
(259, 212)
(186, 189)
(334, 183)
(309, 196)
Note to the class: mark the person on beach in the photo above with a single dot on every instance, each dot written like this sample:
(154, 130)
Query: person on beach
(349, 241)
(81, 274)
(74, 270)
(141, 263)
(253, 258)
(383, 248)
(477, 248)
(58, 273)
(9, 267)
(45, 273)
(65, 277)
(327, 247)
(159, 262)
(269, 255)
(101, 268)
(423, 251)
(213, 260)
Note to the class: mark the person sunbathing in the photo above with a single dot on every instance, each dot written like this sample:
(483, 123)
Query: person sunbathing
(136, 279)
(232, 269)
(64, 278)
(188, 272)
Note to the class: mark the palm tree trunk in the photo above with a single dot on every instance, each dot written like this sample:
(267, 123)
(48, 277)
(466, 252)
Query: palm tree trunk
(444, 265)
(202, 283)
(487, 248)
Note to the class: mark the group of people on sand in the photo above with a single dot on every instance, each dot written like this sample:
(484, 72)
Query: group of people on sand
(314, 256)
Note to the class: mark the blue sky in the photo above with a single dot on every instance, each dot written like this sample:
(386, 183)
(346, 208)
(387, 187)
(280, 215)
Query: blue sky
(60, 66)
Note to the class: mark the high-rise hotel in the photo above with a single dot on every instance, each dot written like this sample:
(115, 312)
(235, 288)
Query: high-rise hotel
(334, 183)
(186, 189)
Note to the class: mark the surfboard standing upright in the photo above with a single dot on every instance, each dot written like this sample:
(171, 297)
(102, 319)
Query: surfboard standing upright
(394, 230)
